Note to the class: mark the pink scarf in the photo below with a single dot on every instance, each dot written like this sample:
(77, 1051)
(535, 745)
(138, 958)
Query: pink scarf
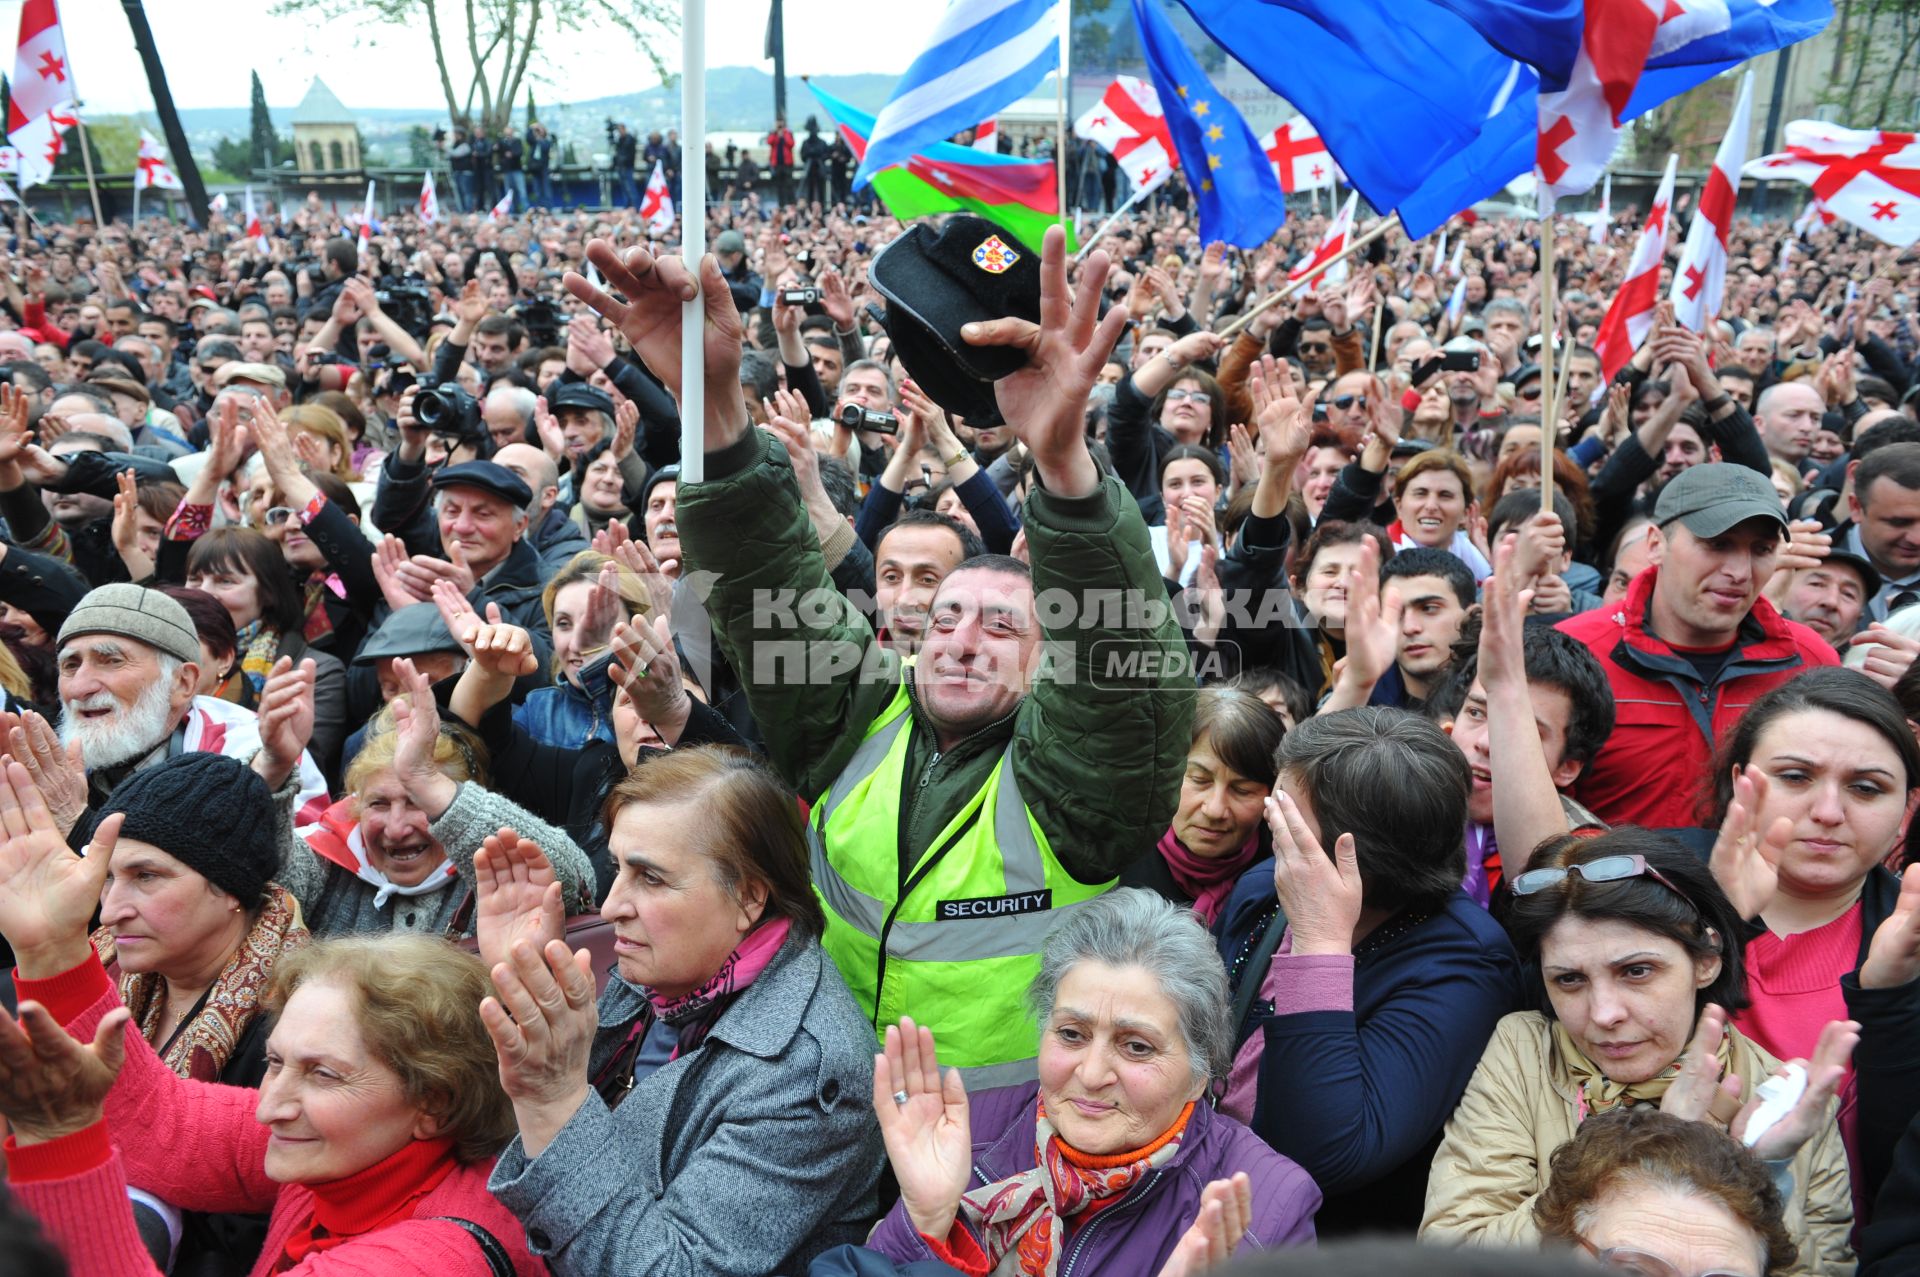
(694, 1013)
(1207, 881)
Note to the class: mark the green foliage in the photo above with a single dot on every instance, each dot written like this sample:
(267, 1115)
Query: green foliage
(532, 116)
(420, 152)
(263, 145)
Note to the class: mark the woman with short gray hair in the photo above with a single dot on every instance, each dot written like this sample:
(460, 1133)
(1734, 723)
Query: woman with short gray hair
(1131, 999)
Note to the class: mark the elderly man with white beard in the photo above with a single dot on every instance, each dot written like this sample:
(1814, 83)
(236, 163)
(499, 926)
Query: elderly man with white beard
(129, 660)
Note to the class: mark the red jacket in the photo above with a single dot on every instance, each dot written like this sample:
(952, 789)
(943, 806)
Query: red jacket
(1653, 769)
(197, 1145)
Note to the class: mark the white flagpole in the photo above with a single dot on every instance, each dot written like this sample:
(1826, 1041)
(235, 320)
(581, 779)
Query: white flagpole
(693, 237)
(1139, 193)
(136, 199)
(1060, 111)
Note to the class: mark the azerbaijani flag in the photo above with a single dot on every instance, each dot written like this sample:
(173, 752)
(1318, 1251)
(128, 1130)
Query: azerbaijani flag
(1020, 195)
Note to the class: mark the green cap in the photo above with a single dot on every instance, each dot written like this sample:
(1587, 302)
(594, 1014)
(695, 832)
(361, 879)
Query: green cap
(1716, 496)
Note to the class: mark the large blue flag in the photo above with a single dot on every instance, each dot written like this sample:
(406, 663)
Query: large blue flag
(1424, 113)
(1231, 179)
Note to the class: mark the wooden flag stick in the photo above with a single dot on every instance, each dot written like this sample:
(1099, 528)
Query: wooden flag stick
(1549, 434)
(1373, 350)
(1374, 232)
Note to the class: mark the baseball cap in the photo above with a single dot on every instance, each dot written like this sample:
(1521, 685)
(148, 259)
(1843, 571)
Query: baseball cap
(730, 242)
(934, 284)
(414, 630)
(488, 476)
(579, 394)
(1718, 495)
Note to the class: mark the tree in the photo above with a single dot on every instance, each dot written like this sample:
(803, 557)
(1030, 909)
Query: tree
(233, 158)
(500, 37)
(533, 116)
(113, 140)
(264, 144)
(420, 151)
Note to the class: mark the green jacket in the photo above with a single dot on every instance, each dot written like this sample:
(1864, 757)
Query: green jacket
(1098, 761)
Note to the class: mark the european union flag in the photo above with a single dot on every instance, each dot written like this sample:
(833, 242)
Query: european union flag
(1231, 179)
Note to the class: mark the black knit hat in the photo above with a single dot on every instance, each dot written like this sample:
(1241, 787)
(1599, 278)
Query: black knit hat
(934, 283)
(211, 813)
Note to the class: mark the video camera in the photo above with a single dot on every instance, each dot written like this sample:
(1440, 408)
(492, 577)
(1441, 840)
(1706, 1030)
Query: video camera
(854, 417)
(542, 320)
(407, 302)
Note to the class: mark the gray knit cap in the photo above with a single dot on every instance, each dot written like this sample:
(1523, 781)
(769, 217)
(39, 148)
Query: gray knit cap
(135, 612)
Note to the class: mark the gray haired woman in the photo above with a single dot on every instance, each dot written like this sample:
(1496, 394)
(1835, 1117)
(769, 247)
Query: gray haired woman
(1132, 1005)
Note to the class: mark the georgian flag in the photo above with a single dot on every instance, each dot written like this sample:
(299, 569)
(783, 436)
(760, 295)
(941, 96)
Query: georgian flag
(367, 226)
(1128, 121)
(1814, 217)
(254, 230)
(150, 168)
(656, 205)
(42, 141)
(1630, 316)
(1700, 281)
(986, 136)
(503, 209)
(218, 203)
(429, 202)
(42, 81)
(1870, 177)
(1299, 157)
(1332, 244)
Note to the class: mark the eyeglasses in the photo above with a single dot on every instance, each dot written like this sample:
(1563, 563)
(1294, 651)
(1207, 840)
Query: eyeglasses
(1200, 397)
(1315, 348)
(1344, 402)
(1637, 1263)
(278, 515)
(1605, 869)
(1530, 392)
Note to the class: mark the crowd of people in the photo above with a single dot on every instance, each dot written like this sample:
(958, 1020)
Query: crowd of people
(1063, 790)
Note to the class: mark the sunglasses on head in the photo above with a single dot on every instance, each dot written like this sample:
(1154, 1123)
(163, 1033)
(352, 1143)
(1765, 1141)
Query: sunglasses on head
(1605, 869)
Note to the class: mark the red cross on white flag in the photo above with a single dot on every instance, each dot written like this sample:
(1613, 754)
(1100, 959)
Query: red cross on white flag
(429, 202)
(1332, 244)
(1128, 121)
(1700, 281)
(502, 209)
(41, 142)
(1870, 177)
(150, 168)
(1300, 158)
(1630, 317)
(656, 205)
(41, 80)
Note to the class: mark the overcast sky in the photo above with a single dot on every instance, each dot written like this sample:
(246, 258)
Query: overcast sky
(210, 47)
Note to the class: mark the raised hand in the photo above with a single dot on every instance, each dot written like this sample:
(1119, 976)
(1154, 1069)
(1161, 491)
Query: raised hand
(1321, 895)
(493, 646)
(626, 426)
(58, 770)
(1893, 956)
(516, 897)
(542, 1023)
(1246, 459)
(126, 527)
(1226, 1210)
(835, 300)
(285, 719)
(1698, 1091)
(416, 726)
(47, 894)
(925, 1125)
(650, 320)
(1889, 653)
(593, 346)
(1045, 402)
(389, 555)
(647, 670)
(1809, 1116)
(1745, 858)
(51, 1085)
(1285, 423)
(13, 425)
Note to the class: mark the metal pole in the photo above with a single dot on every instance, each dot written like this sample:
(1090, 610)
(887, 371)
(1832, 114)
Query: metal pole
(1139, 193)
(777, 50)
(1775, 108)
(86, 160)
(693, 238)
(1060, 112)
(1549, 433)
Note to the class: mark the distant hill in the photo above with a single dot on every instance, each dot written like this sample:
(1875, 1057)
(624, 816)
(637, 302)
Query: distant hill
(738, 98)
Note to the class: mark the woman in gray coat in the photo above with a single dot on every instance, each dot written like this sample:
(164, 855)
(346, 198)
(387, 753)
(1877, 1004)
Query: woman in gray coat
(714, 1115)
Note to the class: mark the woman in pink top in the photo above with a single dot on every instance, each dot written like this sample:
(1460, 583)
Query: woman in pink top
(1812, 791)
(369, 1141)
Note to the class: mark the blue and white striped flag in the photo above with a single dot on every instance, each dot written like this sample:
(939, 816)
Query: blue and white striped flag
(984, 56)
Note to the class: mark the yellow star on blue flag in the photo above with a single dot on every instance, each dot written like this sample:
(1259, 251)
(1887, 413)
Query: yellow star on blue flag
(1237, 195)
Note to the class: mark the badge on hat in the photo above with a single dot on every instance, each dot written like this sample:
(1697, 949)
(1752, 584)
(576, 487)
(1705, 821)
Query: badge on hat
(993, 255)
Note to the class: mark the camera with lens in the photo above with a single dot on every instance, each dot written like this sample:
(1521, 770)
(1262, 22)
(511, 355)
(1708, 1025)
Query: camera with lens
(445, 409)
(854, 417)
(405, 300)
(799, 296)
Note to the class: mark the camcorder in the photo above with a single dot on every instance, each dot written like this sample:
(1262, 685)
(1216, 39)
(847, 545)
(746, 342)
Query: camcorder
(799, 296)
(854, 417)
(405, 300)
(542, 321)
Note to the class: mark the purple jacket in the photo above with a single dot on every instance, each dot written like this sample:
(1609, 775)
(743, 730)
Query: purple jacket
(1134, 1237)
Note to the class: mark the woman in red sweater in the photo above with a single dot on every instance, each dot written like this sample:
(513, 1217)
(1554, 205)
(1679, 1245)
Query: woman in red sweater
(369, 1141)
(1812, 792)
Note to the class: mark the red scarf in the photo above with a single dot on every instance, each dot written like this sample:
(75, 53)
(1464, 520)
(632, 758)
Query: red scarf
(1207, 880)
(383, 1194)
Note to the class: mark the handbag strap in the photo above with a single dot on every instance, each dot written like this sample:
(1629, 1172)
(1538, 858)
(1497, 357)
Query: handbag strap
(1254, 973)
(498, 1262)
(462, 915)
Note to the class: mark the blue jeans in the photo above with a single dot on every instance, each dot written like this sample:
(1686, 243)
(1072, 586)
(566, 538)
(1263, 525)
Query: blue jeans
(541, 183)
(626, 192)
(462, 191)
(516, 181)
